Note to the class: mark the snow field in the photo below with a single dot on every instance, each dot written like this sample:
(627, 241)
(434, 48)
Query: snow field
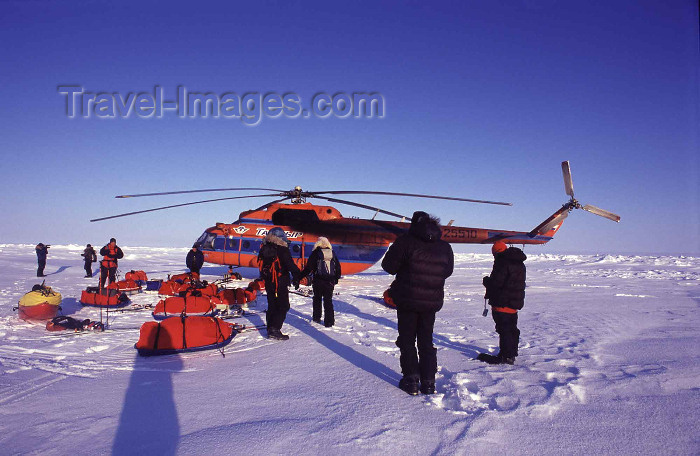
(608, 357)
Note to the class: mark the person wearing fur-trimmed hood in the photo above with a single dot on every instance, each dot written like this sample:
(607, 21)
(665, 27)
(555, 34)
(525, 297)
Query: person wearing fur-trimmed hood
(276, 264)
(421, 261)
(324, 267)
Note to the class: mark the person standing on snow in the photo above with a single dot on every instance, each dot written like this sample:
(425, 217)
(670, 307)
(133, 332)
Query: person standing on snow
(195, 259)
(111, 253)
(275, 264)
(41, 252)
(89, 257)
(421, 261)
(505, 290)
(324, 267)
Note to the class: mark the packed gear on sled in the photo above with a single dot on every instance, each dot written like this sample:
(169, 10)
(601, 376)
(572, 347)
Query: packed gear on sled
(127, 286)
(185, 277)
(183, 334)
(107, 297)
(198, 289)
(178, 284)
(139, 277)
(176, 305)
(42, 303)
(169, 288)
(63, 323)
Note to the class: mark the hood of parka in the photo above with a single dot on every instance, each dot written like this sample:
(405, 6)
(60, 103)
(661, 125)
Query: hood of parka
(425, 227)
(512, 254)
(271, 238)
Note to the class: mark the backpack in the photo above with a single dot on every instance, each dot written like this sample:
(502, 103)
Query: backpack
(326, 269)
(269, 262)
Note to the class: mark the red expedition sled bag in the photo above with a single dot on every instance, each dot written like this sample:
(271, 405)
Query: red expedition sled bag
(108, 297)
(136, 276)
(190, 305)
(183, 334)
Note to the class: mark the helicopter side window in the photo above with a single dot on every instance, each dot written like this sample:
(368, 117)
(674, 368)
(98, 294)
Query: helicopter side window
(246, 246)
(296, 248)
(219, 243)
(232, 244)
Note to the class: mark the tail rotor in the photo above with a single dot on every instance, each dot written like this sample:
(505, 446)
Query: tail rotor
(555, 220)
(574, 204)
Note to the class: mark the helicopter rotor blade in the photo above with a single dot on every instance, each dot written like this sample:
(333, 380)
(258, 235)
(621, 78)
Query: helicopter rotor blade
(363, 206)
(265, 206)
(601, 212)
(200, 191)
(568, 183)
(180, 205)
(415, 195)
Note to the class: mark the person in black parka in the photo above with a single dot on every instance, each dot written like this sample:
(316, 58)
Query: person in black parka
(41, 252)
(324, 279)
(89, 256)
(421, 262)
(275, 263)
(195, 259)
(505, 290)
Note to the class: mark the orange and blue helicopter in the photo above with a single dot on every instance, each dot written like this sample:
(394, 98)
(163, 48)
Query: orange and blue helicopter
(359, 243)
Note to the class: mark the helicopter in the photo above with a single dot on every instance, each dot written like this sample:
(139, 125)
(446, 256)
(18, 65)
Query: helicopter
(358, 243)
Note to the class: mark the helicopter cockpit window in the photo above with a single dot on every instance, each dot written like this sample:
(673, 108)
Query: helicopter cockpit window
(206, 240)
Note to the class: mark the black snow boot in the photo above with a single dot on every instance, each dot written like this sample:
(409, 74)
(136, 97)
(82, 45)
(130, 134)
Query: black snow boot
(427, 387)
(409, 385)
(276, 334)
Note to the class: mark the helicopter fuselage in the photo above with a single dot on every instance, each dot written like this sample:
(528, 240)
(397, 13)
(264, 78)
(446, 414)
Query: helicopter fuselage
(358, 243)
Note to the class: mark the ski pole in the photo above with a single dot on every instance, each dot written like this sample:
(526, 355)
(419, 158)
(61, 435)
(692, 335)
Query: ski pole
(486, 308)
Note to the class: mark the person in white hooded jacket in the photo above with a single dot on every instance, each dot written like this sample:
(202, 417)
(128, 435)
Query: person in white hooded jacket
(324, 267)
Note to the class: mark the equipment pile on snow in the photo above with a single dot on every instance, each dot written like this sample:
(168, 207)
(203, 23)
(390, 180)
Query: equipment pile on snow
(42, 303)
(183, 334)
(107, 297)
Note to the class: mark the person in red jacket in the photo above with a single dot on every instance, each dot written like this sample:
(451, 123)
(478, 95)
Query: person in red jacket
(505, 290)
(111, 253)
(421, 261)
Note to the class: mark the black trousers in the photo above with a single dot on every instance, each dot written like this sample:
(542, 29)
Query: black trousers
(277, 304)
(323, 291)
(105, 273)
(40, 268)
(417, 326)
(88, 268)
(508, 333)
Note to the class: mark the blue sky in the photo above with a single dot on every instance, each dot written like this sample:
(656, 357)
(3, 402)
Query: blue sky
(484, 99)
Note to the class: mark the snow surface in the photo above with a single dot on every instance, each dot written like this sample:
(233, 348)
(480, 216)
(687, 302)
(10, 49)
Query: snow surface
(608, 364)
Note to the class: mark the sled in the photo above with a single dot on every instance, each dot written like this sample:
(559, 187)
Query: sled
(108, 298)
(125, 286)
(183, 334)
(176, 305)
(40, 304)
